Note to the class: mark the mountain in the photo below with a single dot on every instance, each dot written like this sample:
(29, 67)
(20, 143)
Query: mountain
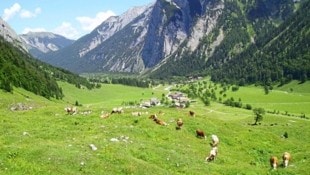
(175, 38)
(19, 69)
(10, 35)
(148, 37)
(39, 43)
(239, 25)
(280, 55)
(81, 56)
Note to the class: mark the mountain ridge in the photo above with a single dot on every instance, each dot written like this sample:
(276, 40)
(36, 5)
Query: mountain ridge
(39, 43)
(11, 36)
(175, 38)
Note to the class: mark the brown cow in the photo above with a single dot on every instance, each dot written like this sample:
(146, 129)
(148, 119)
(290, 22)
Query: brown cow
(157, 120)
(71, 110)
(286, 158)
(200, 134)
(274, 162)
(160, 122)
(179, 123)
(192, 113)
(153, 116)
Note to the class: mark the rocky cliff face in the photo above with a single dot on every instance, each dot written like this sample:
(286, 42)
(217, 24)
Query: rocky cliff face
(141, 38)
(10, 35)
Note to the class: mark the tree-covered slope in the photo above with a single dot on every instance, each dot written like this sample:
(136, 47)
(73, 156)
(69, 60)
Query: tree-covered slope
(241, 26)
(18, 69)
(279, 55)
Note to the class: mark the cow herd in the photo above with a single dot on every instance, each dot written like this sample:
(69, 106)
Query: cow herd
(274, 162)
(199, 134)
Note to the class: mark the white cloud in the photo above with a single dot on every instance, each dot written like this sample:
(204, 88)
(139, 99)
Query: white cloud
(89, 24)
(12, 11)
(28, 14)
(27, 30)
(17, 9)
(67, 30)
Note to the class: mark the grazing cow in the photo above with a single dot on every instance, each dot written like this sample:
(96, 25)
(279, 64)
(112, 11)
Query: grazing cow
(117, 110)
(215, 140)
(192, 113)
(160, 122)
(179, 123)
(104, 116)
(274, 162)
(212, 154)
(136, 113)
(286, 158)
(157, 120)
(200, 134)
(71, 110)
(153, 116)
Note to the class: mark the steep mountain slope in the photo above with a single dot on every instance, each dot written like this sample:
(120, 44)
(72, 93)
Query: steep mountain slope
(175, 37)
(145, 41)
(39, 43)
(236, 28)
(19, 69)
(282, 54)
(82, 56)
(10, 35)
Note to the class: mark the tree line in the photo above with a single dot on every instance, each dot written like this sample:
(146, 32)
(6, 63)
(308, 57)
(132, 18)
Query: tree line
(19, 69)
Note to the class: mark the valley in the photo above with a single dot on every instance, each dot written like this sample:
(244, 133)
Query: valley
(45, 139)
(149, 91)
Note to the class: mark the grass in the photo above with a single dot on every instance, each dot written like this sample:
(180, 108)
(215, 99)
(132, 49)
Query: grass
(291, 98)
(45, 140)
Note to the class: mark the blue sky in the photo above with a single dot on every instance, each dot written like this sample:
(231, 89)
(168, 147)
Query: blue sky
(70, 18)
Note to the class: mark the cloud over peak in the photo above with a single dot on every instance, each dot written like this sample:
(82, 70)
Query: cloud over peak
(89, 24)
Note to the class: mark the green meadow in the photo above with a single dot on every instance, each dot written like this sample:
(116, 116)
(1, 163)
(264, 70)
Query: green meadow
(46, 140)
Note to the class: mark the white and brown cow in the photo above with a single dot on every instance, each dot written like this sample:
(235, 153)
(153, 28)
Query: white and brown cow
(212, 155)
(274, 162)
(117, 110)
(71, 110)
(286, 158)
(215, 140)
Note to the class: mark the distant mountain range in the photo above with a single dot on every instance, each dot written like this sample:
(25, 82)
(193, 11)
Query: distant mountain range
(179, 38)
(19, 69)
(39, 43)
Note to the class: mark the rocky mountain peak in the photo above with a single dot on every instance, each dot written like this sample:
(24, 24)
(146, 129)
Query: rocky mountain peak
(10, 35)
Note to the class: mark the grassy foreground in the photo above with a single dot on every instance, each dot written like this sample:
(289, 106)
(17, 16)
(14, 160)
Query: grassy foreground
(45, 140)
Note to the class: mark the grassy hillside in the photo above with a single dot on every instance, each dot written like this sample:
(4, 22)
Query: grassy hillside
(45, 140)
(292, 98)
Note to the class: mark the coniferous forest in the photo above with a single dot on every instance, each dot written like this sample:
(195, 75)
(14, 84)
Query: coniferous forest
(281, 55)
(264, 42)
(19, 69)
